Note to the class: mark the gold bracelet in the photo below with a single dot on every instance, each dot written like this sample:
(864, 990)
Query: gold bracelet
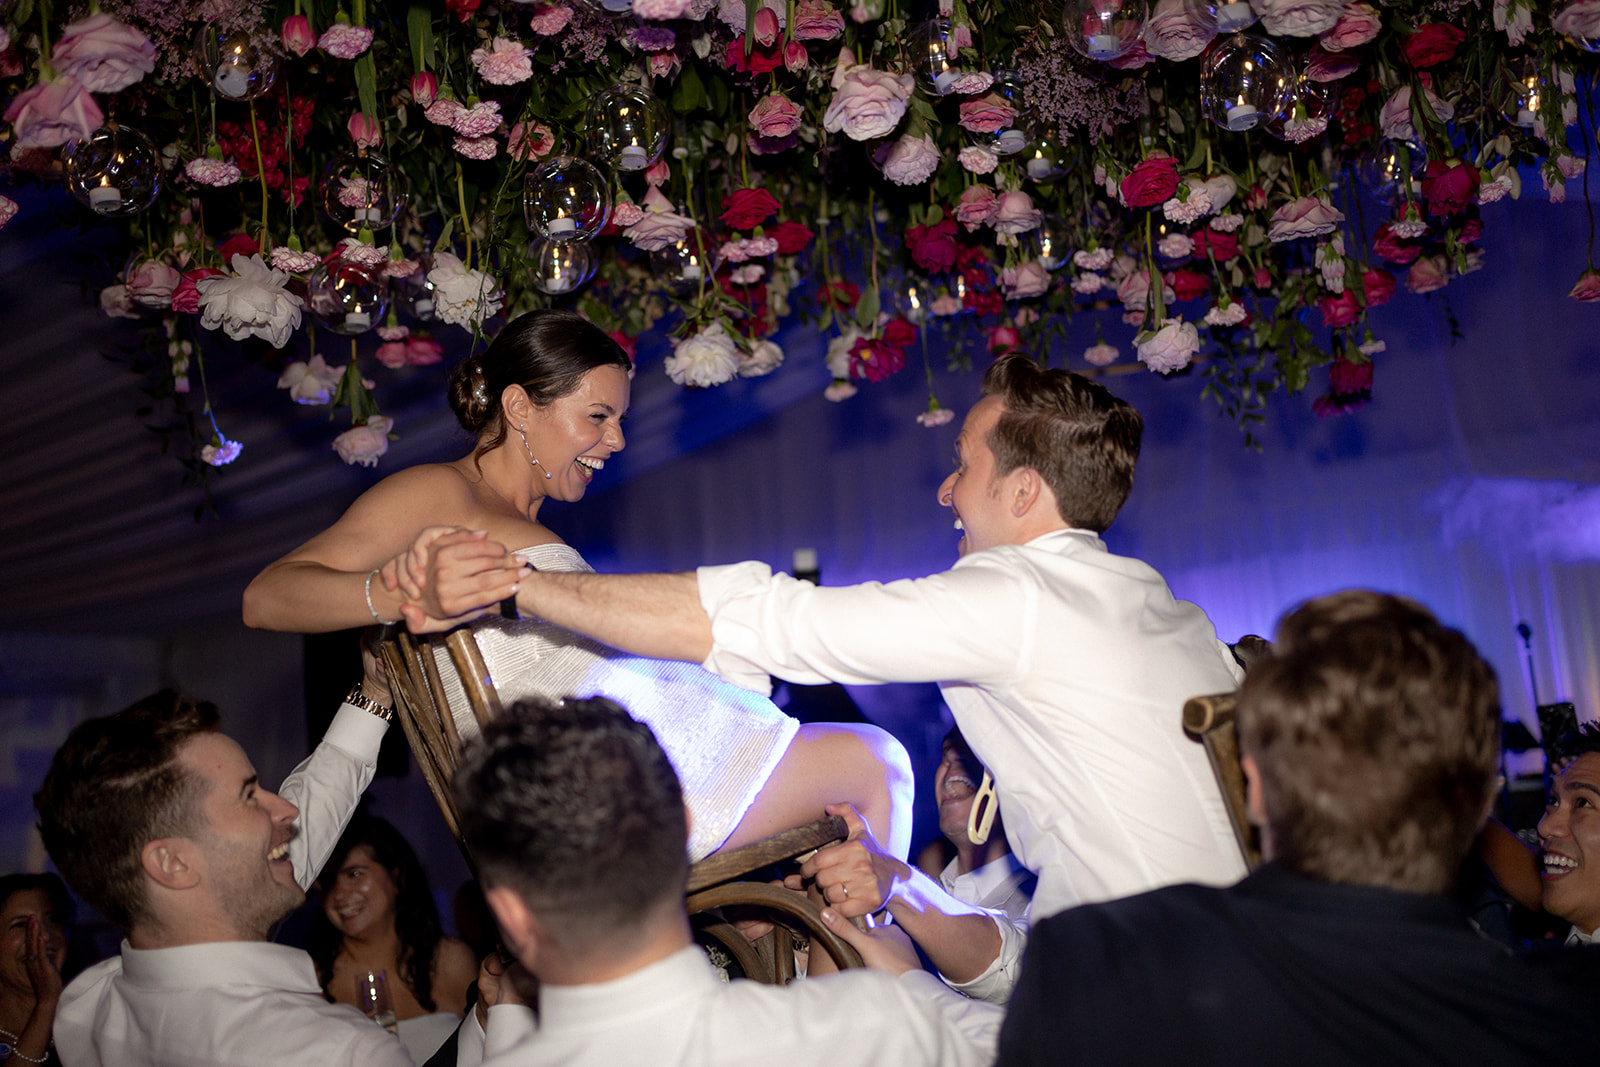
(367, 704)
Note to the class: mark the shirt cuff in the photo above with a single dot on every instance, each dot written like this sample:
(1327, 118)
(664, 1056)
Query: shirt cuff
(509, 1025)
(717, 586)
(356, 732)
(1000, 977)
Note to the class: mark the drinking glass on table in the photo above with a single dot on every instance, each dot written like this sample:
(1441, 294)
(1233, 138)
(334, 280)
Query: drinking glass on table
(372, 991)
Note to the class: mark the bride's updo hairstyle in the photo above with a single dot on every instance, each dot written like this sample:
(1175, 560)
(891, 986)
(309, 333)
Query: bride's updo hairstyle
(546, 352)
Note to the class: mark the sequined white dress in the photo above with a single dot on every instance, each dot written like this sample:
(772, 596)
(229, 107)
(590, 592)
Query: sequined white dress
(723, 741)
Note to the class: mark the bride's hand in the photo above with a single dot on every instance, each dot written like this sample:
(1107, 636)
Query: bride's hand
(407, 573)
(459, 574)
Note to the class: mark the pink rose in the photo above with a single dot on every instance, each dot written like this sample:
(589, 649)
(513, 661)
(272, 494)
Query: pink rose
(1427, 274)
(1308, 216)
(365, 444)
(1395, 117)
(1338, 310)
(1169, 348)
(1015, 213)
(53, 113)
(1030, 279)
(658, 229)
(1588, 288)
(104, 55)
(344, 41)
(1151, 182)
(986, 115)
(765, 27)
(424, 87)
(364, 130)
(1449, 186)
(912, 160)
(1358, 24)
(152, 282)
(1003, 339)
(1178, 30)
(503, 62)
(661, 9)
(550, 19)
(297, 35)
(775, 115)
(1134, 289)
(976, 207)
(1298, 18)
(869, 104)
(533, 142)
(817, 20)
(1393, 247)
(1323, 67)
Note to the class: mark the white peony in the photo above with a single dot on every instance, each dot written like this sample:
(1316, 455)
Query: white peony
(311, 383)
(707, 358)
(462, 296)
(764, 358)
(251, 303)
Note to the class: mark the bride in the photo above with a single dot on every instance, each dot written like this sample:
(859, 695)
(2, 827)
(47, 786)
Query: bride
(545, 402)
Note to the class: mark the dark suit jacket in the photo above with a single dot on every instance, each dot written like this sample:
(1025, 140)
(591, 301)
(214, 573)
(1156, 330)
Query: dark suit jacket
(1283, 970)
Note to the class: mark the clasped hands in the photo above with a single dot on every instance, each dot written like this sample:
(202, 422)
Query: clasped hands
(451, 575)
(858, 879)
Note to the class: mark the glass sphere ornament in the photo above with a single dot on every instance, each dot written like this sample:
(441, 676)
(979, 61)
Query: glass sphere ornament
(348, 298)
(1234, 15)
(236, 67)
(1104, 29)
(566, 199)
(627, 127)
(415, 292)
(935, 57)
(115, 173)
(1309, 107)
(1526, 95)
(680, 266)
(1049, 240)
(615, 8)
(559, 267)
(1391, 169)
(361, 189)
(1047, 159)
(1245, 81)
(1015, 132)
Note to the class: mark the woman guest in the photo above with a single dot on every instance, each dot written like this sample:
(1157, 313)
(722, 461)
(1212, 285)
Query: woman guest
(34, 910)
(378, 915)
(545, 404)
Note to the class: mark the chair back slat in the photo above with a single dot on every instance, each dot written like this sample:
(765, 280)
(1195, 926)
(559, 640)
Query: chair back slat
(475, 680)
(1209, 719)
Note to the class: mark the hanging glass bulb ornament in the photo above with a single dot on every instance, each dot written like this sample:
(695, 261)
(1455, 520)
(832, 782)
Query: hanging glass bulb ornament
(1047, 159)
(116, 172)
(1104, 29)
(1005, 125)
(936, 55)
(680, 266)
(1527, 94)
(236, 66)
(912, 299)
(1234, 15)
(566, 199)
(1391, 172)
(360, 189)
(627, 127)
(1245, 81)
(559, 267)
(416, 293)
(616, 8)
(348, 298)
(1308, 111)
(1051, 238)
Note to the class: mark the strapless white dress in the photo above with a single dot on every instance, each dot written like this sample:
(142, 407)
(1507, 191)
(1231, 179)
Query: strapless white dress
(723, 741)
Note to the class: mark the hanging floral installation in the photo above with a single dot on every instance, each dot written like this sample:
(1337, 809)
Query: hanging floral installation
(1232, 185)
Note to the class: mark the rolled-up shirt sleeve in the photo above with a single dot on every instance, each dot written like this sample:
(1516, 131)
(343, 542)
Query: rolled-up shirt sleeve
(1000, 977)
(971, 624)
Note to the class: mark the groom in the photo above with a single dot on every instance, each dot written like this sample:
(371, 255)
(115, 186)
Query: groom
(1065, 666)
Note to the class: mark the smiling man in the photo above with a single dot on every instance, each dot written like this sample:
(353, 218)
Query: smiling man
(1570, 836)
(158, 819)
(1065, 666)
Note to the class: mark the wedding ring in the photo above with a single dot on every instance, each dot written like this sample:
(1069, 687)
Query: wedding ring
(845, 889)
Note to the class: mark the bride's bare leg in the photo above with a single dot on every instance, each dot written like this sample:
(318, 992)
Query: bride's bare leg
(836, 763)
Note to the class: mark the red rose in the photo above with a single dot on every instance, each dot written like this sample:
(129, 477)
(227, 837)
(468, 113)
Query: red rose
(933, 248)
(1338, 311)
(1449, 186)
(1263, 278)
(875, 360)
(792, 237)
(984, 301)
(759, 61)
(841, 295)
(1378, 284)
(1152, 182)
(747, 208)
(1222, 246)
(1394, 249)
(186, 297)
(899, 332)
(1189, 284)
(240, 244)
(1347, 377)
(1471, 230)
(1003, 339)
(1432, 45)
(463, 9)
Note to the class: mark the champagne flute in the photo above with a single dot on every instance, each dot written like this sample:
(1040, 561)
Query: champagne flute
(372, 991)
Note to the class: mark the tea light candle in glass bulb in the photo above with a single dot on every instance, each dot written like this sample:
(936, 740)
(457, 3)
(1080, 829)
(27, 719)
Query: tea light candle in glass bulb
(1242, 116)
(105, 198)
(232, 78)
(558, 282)
(633, 158)
(691, 270)
(562, 224)
(1104, 46)
(357, 320)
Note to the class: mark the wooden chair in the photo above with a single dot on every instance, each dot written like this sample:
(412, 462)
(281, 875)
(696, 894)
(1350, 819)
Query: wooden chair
(1209, 720)
(717, 884)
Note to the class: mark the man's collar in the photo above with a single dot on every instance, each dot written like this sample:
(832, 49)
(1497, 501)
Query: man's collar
(214, 963)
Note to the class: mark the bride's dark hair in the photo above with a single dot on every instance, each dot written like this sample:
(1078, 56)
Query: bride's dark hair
(546, 352)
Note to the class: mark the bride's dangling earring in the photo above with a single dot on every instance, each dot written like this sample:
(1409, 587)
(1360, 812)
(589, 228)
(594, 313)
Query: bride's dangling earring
(523, 434)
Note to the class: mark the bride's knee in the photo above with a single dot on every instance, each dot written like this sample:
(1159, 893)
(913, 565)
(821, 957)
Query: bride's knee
(861, 752)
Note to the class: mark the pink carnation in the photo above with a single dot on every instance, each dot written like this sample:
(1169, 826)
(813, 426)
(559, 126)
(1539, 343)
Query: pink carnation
(626, 214)
(476, 147)
(1100, 355)
(214, 172)
(285, 258)
(1427, 274)
(550, 19)
(1030, 279)
(344, 41)
(970, 83)
(443, 111)
(479, 120)
(503, 62)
